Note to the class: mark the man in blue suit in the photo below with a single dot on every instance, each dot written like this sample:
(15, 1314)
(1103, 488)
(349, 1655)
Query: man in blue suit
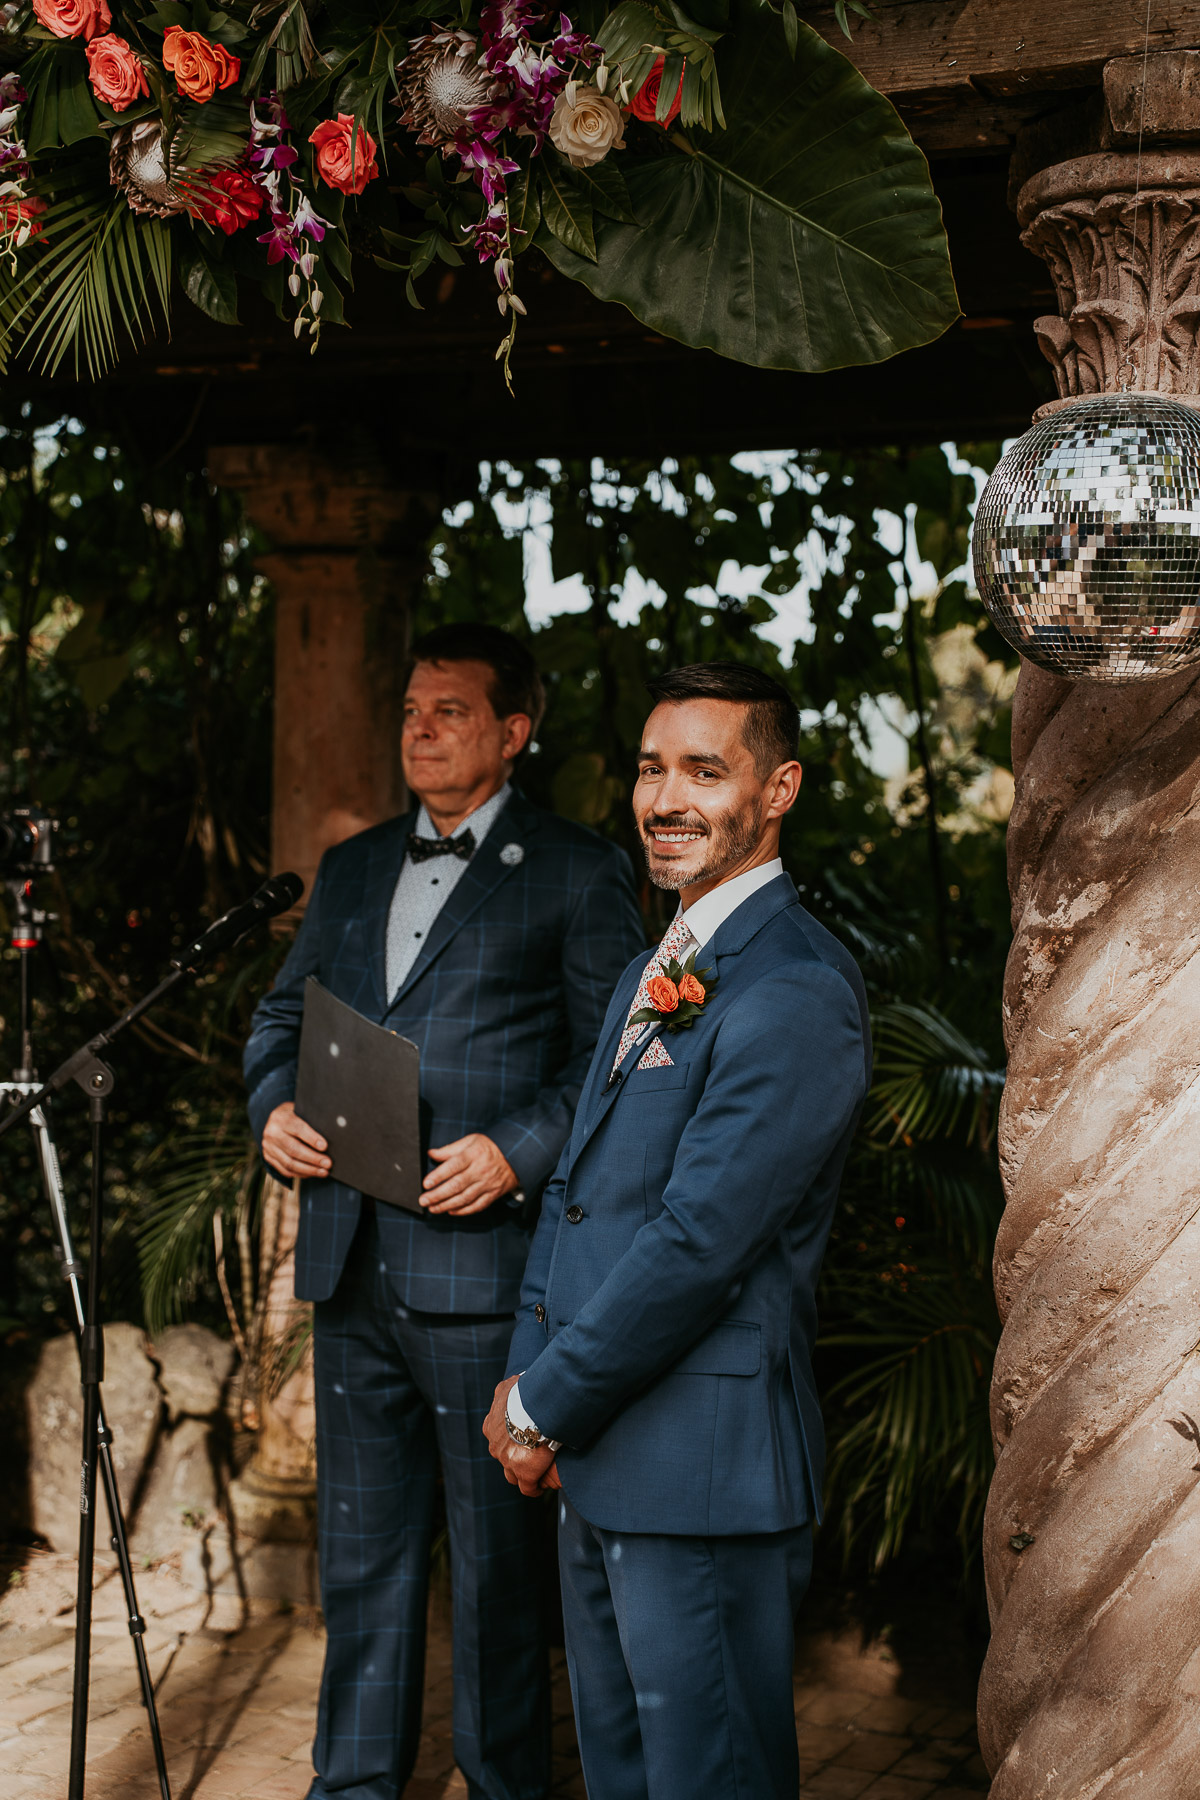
(667, 1320)
(490, 933)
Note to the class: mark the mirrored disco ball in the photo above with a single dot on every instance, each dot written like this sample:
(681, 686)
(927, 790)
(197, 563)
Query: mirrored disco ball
(1087, 540)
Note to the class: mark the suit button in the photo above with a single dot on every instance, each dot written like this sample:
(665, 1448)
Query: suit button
(574, 1214)
(539, 1313)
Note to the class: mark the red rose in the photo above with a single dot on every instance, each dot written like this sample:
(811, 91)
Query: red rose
(229, 199)
(662, 993)
(345, 158)
(691, 989)
(644, 104)
(115, 72)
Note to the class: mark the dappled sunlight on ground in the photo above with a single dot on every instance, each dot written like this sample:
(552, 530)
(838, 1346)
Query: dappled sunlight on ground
(237, 1688)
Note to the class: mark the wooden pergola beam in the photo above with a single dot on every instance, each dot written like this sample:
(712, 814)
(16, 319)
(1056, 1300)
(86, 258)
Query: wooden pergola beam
(1002, 49)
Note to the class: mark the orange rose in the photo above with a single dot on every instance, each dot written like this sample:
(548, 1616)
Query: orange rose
(691, 989)
(73, 18)
(662, 993)
(117, 75)
(341, 163)
(200, 68)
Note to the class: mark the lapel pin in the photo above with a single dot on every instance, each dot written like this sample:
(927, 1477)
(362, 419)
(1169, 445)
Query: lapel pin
(512, 854)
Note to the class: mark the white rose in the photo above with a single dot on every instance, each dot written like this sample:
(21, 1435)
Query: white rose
(587, 131)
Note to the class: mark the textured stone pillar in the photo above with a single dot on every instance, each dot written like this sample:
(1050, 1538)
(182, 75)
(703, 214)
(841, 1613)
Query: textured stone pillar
(1092, 1541)
(347, 550)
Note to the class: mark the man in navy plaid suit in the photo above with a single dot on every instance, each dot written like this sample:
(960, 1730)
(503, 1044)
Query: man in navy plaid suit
(491, 933)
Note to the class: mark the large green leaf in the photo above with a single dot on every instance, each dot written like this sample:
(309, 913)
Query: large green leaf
(805, 236)
(209, 284)
(63, 109)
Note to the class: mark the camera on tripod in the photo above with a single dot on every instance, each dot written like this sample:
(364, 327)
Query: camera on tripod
(26, 841)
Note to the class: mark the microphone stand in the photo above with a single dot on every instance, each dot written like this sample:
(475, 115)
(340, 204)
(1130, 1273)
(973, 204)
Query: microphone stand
(87, 1069)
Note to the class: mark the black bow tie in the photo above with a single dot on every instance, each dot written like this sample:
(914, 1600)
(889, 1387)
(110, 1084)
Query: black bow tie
(462, 846)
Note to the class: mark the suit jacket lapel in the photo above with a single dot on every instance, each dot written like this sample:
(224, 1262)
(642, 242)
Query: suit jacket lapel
(485, 872)
(383, 870)
(729, 940)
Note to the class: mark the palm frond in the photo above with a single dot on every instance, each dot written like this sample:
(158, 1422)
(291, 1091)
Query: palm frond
(930, 1080)
(210, 136)
(945, 1191)
(914, 1411)
(175, 1231)
(94, 264)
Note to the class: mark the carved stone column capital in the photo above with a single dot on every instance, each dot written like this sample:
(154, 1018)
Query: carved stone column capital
(1121, 237)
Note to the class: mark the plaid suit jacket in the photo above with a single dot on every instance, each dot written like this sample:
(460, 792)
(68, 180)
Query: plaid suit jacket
(505, 1002)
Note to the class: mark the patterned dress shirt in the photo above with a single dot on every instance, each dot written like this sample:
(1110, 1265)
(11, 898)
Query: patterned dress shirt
(423, 888)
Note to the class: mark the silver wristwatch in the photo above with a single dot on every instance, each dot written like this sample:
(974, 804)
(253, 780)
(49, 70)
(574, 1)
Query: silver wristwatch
(529, 1435)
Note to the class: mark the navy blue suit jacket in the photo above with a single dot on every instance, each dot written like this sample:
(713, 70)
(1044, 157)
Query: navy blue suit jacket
(505, 1002)
(668, 1316)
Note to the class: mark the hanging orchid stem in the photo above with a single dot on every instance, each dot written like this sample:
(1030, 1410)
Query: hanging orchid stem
(18, 209)
(297, 228)
(509, 303)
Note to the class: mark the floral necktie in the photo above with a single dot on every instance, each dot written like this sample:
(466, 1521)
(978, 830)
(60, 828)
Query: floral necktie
(676, 944)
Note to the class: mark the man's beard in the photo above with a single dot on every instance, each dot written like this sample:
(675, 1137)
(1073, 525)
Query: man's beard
(730, 841)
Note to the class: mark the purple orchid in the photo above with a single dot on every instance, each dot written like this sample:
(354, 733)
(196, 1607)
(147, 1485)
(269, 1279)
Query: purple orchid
(273, 156)
(487, 165)
(307, 221)
(281, 239)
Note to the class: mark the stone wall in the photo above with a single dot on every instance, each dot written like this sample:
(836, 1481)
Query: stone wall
(171, 1441)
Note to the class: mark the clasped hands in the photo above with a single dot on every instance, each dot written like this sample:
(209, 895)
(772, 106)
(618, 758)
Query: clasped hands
(471, 1175)
(534, 1471)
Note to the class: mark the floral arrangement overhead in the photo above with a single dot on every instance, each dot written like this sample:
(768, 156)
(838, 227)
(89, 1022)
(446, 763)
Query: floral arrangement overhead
(722, 172)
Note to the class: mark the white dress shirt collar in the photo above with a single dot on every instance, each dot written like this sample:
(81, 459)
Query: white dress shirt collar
(480, 821)
(705, 917)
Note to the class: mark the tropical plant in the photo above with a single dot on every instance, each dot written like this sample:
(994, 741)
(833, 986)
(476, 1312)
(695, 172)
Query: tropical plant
(729, 176)
(909, 1323)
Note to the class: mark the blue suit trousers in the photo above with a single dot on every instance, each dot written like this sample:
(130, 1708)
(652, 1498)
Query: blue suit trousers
(396, 1390)
(680, 1651)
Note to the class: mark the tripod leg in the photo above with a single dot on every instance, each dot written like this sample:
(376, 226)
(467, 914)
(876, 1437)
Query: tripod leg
(91, 1374)
(52, 1181)
(137, 1625)
(87, 1550)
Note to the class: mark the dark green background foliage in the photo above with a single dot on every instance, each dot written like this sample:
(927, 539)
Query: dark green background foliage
(136, 708)
(136, 682)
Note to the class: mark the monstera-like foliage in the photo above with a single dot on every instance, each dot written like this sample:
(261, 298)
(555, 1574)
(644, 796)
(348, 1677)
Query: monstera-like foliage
(805, 235)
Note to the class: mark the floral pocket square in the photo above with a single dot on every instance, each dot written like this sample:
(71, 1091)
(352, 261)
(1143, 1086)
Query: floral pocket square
(655, 1056)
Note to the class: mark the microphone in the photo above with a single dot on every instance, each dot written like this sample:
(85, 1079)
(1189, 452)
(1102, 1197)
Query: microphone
(274, 896)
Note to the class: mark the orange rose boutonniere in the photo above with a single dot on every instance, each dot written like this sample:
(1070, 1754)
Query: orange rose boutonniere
(676, 997)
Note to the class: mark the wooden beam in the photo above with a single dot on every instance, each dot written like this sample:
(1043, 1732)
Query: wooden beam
(1003, 48)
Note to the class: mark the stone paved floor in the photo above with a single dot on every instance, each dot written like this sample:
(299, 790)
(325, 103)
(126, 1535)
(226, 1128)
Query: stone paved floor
(236, 1691)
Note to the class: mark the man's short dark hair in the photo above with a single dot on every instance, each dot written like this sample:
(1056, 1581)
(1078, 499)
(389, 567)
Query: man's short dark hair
(516, 685)
(772, 729)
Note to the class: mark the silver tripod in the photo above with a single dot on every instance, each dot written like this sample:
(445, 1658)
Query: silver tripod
(27, 936)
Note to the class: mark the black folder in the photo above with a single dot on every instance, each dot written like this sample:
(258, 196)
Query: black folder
(358, 1085)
